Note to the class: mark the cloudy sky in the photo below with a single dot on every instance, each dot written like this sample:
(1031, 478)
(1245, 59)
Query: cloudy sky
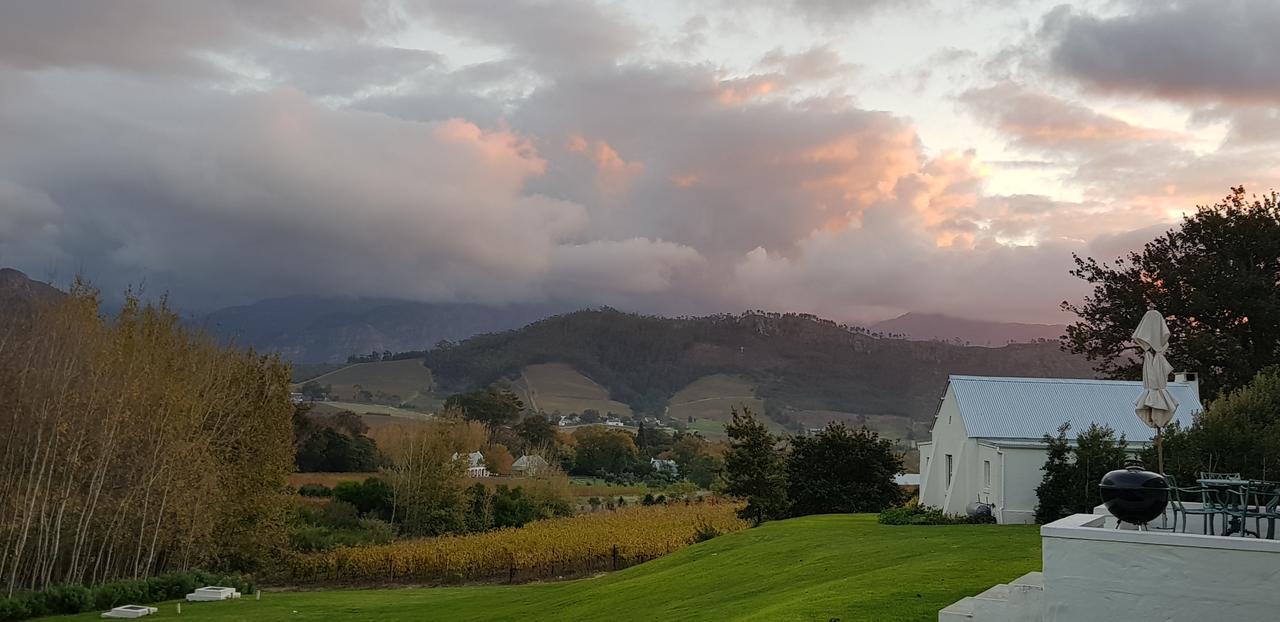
(852, 158)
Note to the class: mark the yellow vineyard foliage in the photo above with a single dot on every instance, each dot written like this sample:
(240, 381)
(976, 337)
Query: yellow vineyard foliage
(548, 548)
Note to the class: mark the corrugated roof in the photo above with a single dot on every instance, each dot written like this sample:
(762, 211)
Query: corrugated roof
(1032, 407)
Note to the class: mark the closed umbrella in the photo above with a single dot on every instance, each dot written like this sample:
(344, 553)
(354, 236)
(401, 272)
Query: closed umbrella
(1155, 407)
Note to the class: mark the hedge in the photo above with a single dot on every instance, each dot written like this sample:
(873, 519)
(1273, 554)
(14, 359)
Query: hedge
(71, 599)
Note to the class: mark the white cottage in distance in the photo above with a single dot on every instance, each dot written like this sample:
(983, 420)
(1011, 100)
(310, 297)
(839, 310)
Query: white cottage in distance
(988, 437)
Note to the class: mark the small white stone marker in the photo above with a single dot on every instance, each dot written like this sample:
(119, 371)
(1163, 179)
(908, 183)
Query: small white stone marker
(130, 611)
(257, 594)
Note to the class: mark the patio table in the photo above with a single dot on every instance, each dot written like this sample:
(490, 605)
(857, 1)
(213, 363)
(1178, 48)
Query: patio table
(1228, 490)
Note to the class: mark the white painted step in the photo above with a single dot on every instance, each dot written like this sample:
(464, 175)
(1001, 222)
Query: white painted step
(1019, 601)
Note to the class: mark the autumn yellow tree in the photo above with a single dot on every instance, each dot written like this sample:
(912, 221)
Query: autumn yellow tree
(134, 446)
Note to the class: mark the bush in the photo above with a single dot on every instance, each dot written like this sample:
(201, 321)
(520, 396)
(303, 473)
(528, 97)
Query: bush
(915, 514)
(372, 497)
(315, 490)
(73, 599)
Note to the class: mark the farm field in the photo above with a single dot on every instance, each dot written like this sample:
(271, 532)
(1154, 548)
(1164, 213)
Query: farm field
(713, 397)
(552, 387)
(400, 382)
(377, 413)
(844, 567)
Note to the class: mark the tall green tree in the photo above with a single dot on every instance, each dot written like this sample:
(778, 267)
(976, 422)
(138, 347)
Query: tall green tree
(1217, 280)
(537, 432)
(604, 450)
(840, 470)
(1053, 493)
(754, 468)
(1072, 473)
(492, 407)
(1097, 452)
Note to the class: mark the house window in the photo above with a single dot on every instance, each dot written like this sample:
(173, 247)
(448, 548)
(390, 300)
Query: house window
(948, 470)
(986, 473)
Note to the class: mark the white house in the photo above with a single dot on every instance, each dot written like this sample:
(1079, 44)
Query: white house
(668, 466)
(987, 444)
(529, 466)
(475, 464)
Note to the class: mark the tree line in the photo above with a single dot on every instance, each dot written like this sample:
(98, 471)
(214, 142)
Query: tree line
(836, 470)
(134, 446)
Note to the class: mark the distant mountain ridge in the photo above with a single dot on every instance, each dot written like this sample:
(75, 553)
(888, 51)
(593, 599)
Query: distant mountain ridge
(934, 326)
(795, 362)
(329, 329)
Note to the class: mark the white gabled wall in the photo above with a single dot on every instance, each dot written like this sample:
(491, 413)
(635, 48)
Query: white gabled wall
(949, 437)
(1023, 471)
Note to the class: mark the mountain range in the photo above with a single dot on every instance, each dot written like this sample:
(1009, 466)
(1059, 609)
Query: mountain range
(794, 362)
(308, 329)
(800, 369)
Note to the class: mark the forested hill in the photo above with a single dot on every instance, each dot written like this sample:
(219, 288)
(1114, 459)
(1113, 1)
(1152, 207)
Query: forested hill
(796, 362)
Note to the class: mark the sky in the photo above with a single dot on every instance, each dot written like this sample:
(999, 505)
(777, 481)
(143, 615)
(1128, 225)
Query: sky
(856, 159)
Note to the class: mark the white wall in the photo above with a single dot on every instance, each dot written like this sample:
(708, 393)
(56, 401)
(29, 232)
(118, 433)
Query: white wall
(1023, 471)
(1094, 573)
(950, 437)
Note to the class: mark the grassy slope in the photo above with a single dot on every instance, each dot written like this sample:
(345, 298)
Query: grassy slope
(713, 397)
(557, 387)
(406, 378)
(814, 568)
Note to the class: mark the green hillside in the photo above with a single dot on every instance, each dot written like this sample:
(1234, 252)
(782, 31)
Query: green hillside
(793, 362)
(844, 567)
(391, 383)
(552, 387)
(712, 397)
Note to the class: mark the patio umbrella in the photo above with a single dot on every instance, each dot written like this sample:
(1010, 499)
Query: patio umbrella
(1155, 407)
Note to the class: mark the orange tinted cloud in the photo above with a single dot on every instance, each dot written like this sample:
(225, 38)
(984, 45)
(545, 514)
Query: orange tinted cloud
(614, 174)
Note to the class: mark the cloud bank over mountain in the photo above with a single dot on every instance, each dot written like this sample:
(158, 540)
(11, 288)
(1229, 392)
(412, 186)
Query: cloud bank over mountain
(668, 157)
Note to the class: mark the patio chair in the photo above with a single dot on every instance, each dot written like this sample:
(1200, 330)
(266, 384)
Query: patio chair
(1266, 500)
(1253, 500)
(1209, 507)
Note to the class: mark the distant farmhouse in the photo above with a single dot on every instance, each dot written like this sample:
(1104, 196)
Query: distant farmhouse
(529, 466)
(475, 465)
(664, 466)
(988, 436)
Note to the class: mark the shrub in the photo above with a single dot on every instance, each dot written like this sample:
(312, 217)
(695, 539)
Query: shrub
(315, 490)
(915, 514)
(704, 530)
(371, 497)
(73, 599)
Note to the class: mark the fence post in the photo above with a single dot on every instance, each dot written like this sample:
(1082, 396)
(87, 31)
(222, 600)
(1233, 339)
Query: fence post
(615, 557)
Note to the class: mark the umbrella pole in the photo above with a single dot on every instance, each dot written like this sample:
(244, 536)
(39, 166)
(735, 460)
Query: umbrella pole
(1160, 450)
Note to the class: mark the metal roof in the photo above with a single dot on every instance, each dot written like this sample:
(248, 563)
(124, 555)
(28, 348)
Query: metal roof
(1029, 408)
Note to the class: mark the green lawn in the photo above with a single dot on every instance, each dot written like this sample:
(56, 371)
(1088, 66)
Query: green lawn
(844, 567)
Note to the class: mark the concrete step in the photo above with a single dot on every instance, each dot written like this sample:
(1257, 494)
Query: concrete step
(959, 611)
(1019, 601)
(1034, 579)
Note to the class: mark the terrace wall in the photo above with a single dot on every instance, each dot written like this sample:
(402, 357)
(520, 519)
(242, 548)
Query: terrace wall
(1094, 572)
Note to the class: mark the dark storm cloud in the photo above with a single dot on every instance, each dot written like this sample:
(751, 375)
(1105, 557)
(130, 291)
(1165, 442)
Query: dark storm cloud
(1185, 50)
(165, 37)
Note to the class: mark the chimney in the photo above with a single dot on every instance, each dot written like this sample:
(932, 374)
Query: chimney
(1188, 377)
